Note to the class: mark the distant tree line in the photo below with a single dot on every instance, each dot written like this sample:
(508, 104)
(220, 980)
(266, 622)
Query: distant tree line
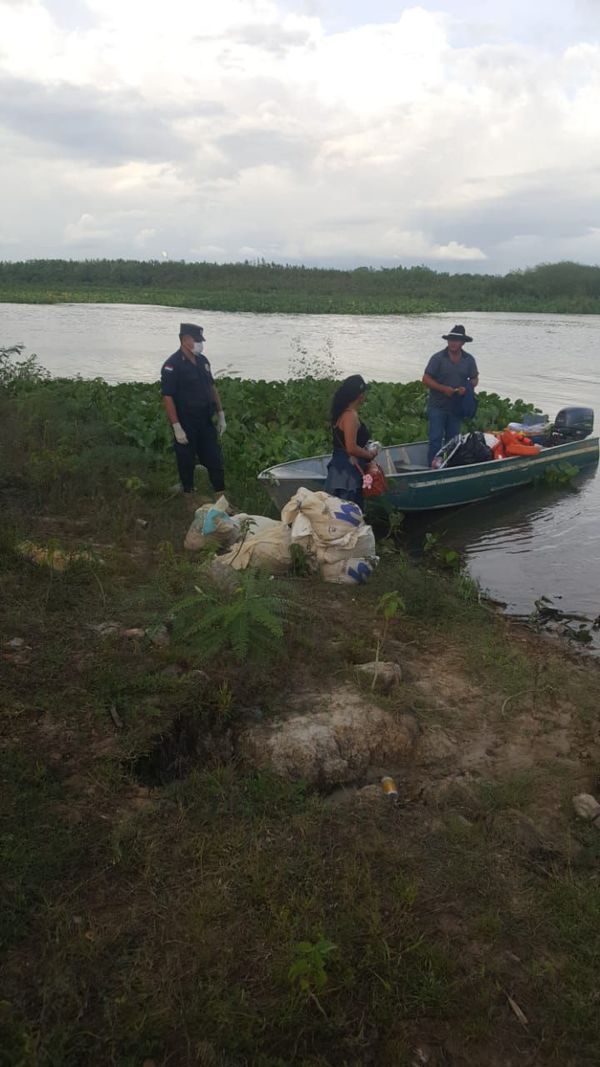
(564, 286)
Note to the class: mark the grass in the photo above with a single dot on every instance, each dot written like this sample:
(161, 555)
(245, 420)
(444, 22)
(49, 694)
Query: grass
(163, 902)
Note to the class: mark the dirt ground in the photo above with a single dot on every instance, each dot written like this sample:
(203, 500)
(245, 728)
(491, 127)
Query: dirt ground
(188, 880)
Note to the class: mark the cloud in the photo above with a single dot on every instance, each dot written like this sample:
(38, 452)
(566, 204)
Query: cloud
(272, 37)
(247, 129)
(86, 231)
(97, 125)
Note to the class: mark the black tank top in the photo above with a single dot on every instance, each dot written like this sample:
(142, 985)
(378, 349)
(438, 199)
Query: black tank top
(339, 444)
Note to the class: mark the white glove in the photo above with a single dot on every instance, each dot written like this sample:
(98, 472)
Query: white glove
(221, 423)
(180, 434)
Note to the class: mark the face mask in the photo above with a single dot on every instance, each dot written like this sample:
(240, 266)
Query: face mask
(198, 348)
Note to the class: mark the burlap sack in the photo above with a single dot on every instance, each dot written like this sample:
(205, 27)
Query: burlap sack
(269, 550)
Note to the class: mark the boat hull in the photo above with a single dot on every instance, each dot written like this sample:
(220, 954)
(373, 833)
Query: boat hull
(414, 487)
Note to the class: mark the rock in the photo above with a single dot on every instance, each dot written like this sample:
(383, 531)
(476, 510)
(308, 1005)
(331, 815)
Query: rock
(159, 635)
(387, 675)
(104, 628)
(437, 745)
(134, 631)
(224, 578)
(342, 737)
(16, 643)
(200, 676)
(587, 807)
(142, 523)
(370, 794)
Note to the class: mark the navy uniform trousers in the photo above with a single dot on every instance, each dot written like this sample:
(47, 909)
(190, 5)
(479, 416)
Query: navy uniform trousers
(203, 443)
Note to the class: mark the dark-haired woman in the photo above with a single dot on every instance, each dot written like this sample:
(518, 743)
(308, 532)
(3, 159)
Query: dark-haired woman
(350, 436)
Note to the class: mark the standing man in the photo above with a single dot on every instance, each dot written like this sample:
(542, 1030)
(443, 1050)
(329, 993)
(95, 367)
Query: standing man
(448, 375)
(191, 399)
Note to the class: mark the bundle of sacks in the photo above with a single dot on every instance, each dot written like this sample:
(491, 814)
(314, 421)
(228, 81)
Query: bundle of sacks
(332, 534)
(218, 524)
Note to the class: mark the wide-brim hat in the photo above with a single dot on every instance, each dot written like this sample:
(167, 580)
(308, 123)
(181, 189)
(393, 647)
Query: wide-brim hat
(457, 334)
(188, 329)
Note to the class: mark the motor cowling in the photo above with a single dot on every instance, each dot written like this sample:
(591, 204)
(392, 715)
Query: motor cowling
(574, 424)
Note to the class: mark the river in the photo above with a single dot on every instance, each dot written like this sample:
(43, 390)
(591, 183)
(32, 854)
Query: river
(537, 542)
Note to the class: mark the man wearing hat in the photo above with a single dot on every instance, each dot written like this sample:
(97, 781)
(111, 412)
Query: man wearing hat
(191, 399)
(448, 375)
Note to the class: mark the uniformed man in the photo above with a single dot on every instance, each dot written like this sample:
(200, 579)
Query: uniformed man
(191, 400)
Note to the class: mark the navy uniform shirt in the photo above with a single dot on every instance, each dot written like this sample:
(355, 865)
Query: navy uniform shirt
(189, 383)
(446, 372)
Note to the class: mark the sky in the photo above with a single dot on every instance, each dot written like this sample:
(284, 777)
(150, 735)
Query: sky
(461, 135)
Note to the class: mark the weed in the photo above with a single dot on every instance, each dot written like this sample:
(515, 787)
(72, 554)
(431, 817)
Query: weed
(308, 970)
(389, 606)
(559, 474)
(300, 564)
(249, 623)
(514, 792)
(444, 557)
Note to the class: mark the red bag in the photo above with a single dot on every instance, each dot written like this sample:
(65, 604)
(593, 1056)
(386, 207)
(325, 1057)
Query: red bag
(374, 483)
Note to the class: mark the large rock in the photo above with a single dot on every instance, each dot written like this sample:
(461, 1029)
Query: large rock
(382, 674)
(331, 738)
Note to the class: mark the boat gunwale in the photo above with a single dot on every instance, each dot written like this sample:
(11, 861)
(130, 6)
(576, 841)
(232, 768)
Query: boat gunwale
(450, 473)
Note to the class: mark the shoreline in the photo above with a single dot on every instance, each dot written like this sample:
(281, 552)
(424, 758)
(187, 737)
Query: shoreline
(301, 303)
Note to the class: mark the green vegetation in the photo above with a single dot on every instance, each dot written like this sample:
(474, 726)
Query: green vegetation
(268, 287)
(267, 422)
(248, 624)
(163, 902)
(560, 474)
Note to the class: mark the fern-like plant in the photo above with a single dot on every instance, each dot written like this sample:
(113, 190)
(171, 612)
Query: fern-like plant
(249, 623)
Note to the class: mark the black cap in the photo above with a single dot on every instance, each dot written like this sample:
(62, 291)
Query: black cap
(188, 329)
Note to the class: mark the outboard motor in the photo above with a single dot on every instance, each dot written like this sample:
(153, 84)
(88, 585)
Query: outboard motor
(573, 424)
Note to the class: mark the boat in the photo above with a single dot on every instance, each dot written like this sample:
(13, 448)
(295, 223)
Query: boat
(414, 486)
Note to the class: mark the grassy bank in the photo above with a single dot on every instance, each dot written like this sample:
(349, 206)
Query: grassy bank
(298, 303)
(165, 903)
(563, 288)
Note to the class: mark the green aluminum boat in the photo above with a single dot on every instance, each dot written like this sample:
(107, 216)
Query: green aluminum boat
(413, 486)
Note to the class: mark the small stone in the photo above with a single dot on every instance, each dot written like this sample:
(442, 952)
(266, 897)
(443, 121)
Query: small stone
(134, 631)
(16, 643)
(369, 794)
(386, 675)
(104, 628)
(200, 676)
(142, 523)
(159, 635)
(587, 807)
(422, 1056)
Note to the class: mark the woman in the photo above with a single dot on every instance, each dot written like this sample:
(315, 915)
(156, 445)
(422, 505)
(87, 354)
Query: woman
(350, 436)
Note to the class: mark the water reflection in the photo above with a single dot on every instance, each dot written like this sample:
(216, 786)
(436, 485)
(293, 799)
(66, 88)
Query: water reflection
(536, 541)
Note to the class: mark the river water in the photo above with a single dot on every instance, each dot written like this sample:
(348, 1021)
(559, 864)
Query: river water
(536, 542)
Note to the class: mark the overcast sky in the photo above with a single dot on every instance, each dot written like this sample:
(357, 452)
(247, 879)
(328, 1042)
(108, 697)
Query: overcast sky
(464, 135)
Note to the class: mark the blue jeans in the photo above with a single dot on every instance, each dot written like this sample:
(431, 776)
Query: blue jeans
(443, 425)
